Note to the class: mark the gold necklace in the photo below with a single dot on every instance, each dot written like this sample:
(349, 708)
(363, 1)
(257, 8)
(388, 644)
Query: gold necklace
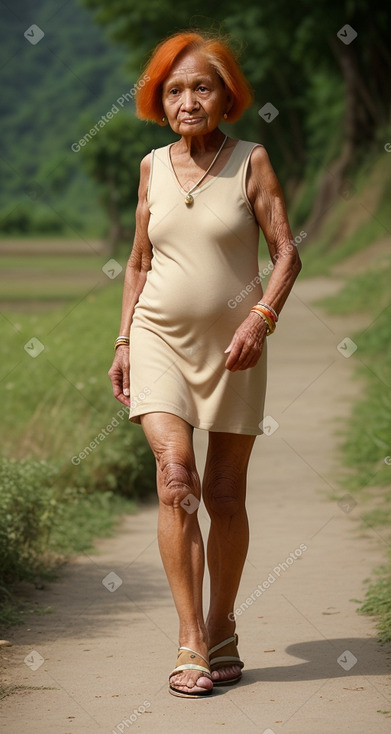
(189, 198)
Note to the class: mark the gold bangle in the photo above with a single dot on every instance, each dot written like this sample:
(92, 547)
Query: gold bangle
(120, 344)
(272, 311)
(270, 320)
(263, 317)
(271, 325)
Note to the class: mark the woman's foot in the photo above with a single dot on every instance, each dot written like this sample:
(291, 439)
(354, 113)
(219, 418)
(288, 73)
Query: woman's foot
(193, 681)
(231, 671)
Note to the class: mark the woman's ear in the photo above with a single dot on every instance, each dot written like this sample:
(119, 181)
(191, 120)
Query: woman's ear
(228, 106)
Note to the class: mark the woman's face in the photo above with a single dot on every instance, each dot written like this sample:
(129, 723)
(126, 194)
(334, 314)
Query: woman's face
(194, 96)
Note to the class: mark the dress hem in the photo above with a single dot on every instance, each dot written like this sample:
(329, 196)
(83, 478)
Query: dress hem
(164, 408)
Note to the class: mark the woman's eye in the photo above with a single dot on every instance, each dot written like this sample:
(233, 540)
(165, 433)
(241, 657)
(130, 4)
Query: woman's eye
(202, 89)
(173, 91)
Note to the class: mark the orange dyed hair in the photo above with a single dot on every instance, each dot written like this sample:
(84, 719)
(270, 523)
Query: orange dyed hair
(149, 94)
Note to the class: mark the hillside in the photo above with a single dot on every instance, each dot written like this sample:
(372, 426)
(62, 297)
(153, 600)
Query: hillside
(53, 91)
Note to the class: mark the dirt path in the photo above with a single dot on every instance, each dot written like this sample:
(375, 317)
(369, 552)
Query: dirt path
(312, 664)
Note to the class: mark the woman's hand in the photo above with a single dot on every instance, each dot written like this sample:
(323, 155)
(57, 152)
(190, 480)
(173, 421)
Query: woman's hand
(246, 346)
(119, 375)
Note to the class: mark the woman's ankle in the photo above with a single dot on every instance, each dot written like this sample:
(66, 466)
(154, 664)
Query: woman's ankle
(190, 636)
(217, 632)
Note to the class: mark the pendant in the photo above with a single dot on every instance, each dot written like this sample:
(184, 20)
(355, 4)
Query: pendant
(189, 199)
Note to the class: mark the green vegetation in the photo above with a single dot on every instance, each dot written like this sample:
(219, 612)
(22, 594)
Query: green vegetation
(366, 445)
(332, 97)
(332, 101)
(66, 476)
(72, 462)
(365, 210)
(42, 519)
(51, 93)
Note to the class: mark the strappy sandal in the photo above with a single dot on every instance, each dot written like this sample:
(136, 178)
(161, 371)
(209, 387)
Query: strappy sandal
(189, 659)
(230, 657)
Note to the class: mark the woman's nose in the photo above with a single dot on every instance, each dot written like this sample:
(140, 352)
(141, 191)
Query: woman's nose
(189, 100)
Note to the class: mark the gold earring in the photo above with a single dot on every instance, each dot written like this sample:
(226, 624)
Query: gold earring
(164, 119)
(225, 116)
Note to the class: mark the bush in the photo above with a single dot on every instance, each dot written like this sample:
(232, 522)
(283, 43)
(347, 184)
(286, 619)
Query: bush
(121, 463)
(42, 519)
(28, 507)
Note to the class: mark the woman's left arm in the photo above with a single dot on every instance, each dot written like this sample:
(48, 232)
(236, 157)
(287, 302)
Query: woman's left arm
(266, 197)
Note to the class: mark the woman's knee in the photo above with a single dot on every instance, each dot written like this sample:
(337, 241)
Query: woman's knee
(177, 478)
(224, 492)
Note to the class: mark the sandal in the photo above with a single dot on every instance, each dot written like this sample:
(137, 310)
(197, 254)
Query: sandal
(231, 657)
(189, 659)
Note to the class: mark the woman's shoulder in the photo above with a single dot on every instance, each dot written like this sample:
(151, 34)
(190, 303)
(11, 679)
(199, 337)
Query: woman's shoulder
(147, 160)
(256, 152)
(251, 152)
(251, 145)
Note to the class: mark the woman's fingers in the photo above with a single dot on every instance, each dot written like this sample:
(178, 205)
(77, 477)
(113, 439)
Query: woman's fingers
(234, 354)
(119, 376)
(246, 346)
(244, 359)
(126, 383)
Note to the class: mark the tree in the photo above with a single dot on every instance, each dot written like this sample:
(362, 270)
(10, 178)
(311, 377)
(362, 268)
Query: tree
(290, 48)
(112, 157)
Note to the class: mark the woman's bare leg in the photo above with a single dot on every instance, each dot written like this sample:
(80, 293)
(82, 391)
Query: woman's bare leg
(179, 536)
(224, 494)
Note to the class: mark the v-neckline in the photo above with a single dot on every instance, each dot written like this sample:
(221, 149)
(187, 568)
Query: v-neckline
(205, 185)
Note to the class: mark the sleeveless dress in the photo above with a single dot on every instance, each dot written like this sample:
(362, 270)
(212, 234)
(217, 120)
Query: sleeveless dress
(203, 281)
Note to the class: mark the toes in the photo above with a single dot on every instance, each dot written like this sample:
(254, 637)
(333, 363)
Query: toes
(187, 683)
(203, 682)
(223, 673)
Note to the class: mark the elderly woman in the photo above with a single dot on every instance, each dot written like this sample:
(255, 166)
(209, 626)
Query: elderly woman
(197, 319)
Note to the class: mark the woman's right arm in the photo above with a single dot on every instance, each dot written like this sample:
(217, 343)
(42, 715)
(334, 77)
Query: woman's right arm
(135, 276)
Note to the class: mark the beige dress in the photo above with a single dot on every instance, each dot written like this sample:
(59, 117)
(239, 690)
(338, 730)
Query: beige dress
(203, 281)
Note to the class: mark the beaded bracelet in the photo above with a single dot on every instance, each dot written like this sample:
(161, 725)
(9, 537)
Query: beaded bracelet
(273, 313)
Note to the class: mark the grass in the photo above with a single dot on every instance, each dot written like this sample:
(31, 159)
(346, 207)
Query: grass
(51, 278)
(338, 238)
(54, 404)
(366, 445)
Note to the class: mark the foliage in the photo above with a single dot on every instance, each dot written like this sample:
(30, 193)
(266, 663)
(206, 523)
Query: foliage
(72, 461)
(291, 56)
(332, 243)
(367, 448)
(377, 601)
(55, 91)
(367, 435)
(41, 520)
(56, 403)
(113, 158)
(46, 90)
(27, 509)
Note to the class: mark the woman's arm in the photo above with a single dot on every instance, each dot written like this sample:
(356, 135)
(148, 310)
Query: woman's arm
(265, 195)
(135, 276)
